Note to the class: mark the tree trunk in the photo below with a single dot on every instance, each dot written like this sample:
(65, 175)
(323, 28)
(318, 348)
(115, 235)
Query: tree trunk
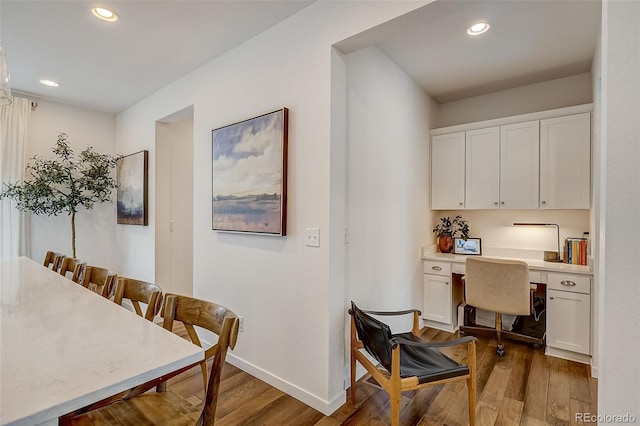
(73, 233)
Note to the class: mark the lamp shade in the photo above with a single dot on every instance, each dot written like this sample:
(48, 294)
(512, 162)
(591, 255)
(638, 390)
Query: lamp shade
(5, 89)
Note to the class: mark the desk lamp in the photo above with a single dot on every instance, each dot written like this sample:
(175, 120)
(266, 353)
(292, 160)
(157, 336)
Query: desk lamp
(548, 256)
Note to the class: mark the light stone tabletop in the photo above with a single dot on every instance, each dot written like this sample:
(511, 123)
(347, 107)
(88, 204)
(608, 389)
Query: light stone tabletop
(63, 346)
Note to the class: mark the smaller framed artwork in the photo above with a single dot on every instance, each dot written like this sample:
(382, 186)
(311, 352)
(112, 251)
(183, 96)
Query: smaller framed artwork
(132, 176)
(469, 246)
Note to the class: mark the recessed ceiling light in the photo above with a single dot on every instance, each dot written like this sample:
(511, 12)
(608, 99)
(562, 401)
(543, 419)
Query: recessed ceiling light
(49, 83)
(477, 29)
(104, 14)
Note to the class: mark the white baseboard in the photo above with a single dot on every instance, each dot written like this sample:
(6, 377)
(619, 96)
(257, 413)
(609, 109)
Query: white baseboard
(325, 407)
(571, 356)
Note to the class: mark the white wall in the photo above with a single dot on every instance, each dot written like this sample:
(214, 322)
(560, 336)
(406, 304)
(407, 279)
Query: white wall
(282, 288)
(495, 227)
(387, 182)
(559, 93)
(597, 159)
(619, 336)
(95, 238)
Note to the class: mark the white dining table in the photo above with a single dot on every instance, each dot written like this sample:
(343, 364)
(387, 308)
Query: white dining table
(63, 347)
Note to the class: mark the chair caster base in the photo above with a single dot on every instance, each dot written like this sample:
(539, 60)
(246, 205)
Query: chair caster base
(500, 350)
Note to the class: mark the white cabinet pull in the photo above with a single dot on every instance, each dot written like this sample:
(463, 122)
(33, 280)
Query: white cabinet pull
(568, 283)
(436, 268)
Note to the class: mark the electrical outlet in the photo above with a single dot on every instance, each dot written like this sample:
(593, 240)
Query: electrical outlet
(241, 325)
(312, 237)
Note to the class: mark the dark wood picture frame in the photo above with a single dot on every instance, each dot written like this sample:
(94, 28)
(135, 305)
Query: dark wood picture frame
(249, 175)
(132, 173)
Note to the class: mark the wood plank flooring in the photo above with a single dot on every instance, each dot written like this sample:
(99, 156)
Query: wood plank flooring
(524, 387)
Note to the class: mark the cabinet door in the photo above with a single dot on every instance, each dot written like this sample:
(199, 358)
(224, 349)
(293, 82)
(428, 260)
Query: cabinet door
(565, 162)
(437, 298)
(447, 171)
(568, 321)
(482, 189)
(519, 165)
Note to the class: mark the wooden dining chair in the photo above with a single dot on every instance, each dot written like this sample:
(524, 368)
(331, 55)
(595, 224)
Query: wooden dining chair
(169, 408)
(76, 267)
(100, 280)
(53, 260)
(137, 292)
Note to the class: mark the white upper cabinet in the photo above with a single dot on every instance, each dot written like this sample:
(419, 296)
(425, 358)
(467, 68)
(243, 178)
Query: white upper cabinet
(447, 171)
(540, 160)
(565, 162)
(482, 189)
(519, 165)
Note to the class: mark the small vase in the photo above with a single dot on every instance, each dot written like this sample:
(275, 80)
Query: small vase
(445, 243)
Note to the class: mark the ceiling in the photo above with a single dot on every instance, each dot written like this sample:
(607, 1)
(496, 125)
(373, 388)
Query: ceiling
(108, 67)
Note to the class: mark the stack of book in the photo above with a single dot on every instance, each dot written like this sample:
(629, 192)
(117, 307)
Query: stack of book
(575, 251)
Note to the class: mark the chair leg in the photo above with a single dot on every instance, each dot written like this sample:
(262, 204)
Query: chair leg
(471, 383)
(395, 398)
(500, 350)
(353, 346)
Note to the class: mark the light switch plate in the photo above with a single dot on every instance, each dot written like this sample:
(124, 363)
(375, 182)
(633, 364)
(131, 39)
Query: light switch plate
(312, 237)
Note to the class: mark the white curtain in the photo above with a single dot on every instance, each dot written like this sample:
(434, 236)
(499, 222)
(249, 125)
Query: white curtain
(14, 125)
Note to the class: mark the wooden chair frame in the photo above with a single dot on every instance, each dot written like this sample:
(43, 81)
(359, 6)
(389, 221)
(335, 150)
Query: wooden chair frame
(53, 260)
(392, 382)
(76, 266)
(139, 292)
(194, 312)
(102, 277)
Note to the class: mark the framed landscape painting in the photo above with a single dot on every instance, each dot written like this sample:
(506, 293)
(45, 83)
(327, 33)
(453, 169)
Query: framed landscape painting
(250, 175)
(132, 176)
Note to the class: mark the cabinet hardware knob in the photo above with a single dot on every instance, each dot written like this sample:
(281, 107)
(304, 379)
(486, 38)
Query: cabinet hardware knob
(446, 282)
(551, 298)
(436, 268)
(496, 203)
(461, 203)
(568, 283)
(502, 203)
(543, 202)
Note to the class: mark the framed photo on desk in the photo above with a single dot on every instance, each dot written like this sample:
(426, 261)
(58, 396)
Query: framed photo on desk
(470, 246)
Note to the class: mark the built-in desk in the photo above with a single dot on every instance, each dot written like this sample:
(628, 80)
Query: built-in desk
(568, 300)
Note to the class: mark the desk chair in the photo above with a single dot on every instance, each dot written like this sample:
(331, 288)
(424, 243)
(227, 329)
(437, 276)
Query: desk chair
(501, 286)
(406, 361)
(168, 408)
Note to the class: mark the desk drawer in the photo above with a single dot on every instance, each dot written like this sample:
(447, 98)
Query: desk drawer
(437, 268)
(566, 282)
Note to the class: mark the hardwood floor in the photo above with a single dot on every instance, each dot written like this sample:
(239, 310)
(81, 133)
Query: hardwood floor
(524, 387)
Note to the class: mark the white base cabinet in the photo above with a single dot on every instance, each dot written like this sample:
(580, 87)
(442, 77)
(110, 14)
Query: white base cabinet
(569, 313)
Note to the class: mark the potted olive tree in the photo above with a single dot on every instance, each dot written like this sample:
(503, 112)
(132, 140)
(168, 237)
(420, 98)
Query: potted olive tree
(64, 184)
(446, 231)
